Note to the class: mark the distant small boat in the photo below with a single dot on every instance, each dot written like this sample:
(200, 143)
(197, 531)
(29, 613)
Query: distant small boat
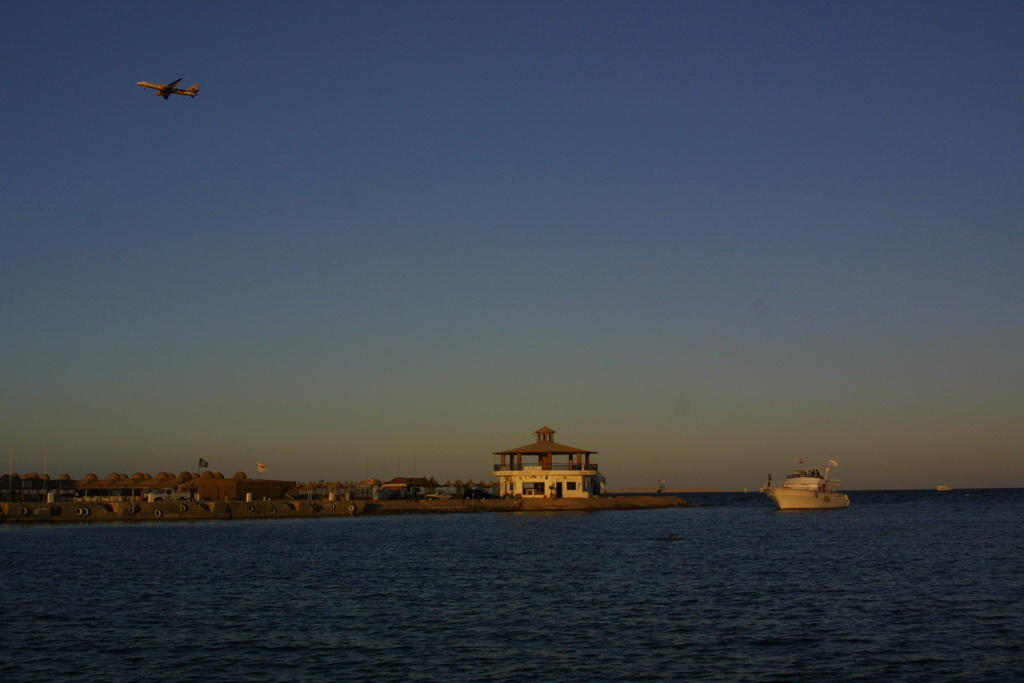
(806, 488)
(943, 487)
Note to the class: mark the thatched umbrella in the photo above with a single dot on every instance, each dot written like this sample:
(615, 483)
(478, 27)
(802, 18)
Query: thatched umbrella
(157, 482)
(89, 481)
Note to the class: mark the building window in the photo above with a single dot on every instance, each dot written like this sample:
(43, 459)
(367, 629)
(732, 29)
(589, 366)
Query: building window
(570, 486)
(534, 488)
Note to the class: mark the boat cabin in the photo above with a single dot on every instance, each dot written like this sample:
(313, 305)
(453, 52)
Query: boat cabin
(805, 472)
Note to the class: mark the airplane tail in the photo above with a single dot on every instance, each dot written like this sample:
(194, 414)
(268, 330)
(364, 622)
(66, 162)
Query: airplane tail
(191, 92)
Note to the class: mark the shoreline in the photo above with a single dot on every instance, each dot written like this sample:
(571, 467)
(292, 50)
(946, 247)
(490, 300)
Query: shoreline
(141, 511)
(653, 491)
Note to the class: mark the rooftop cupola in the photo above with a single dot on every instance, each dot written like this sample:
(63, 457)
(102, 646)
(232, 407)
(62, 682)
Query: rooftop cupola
(545, 434)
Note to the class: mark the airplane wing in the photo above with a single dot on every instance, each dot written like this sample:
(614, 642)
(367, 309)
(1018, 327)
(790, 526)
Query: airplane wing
(171, 85)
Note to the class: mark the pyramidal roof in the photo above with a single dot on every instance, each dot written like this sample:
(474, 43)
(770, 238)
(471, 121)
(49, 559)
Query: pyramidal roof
(544, 445)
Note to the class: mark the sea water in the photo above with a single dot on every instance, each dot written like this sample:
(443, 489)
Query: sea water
(909, 586)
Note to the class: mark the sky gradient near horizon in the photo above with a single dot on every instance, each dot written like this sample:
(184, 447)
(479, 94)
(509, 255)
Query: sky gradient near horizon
(701, 238)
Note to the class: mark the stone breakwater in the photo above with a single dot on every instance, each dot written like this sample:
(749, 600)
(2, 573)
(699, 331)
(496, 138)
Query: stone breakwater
(140, 511)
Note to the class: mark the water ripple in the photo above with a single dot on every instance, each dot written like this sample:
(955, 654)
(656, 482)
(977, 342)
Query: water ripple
(901, 586)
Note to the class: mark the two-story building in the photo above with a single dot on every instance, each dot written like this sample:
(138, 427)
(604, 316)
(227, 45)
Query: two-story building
(547, 469)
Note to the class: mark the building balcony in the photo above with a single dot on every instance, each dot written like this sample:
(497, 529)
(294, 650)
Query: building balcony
(555, 467)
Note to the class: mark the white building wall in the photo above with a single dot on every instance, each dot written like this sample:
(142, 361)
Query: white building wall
(518, 482)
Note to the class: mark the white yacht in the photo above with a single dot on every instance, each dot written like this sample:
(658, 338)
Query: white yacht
(806, 488)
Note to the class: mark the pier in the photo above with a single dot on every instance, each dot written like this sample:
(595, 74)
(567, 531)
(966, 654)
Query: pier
(166, 511)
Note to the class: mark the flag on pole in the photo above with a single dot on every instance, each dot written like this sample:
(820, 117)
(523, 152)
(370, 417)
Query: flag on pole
(799, 461)
(833, 463)
(260, 467)
(203, 463)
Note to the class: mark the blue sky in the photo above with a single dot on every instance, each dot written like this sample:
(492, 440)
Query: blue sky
(701, 238)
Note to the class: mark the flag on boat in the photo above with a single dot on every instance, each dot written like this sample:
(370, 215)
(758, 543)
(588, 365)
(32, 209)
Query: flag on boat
(799, 461)
(260, 467)
(833, 463)
(203, 463)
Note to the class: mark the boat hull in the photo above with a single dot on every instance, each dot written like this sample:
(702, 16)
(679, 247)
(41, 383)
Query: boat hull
(798, 499)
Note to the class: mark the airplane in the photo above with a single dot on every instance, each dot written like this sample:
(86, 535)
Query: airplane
(165, 91)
